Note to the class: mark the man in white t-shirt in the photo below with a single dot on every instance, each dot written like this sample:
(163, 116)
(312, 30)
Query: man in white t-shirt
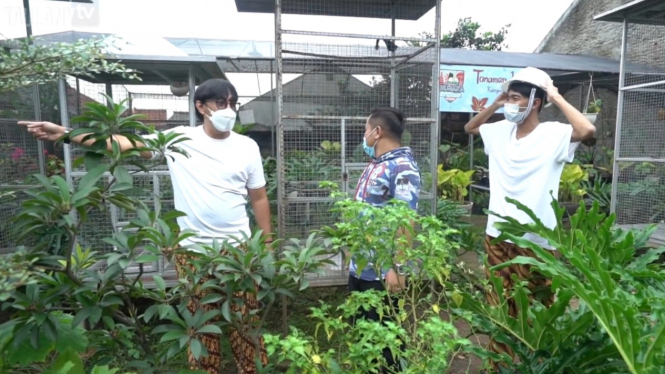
(526, 158)
(210, 186)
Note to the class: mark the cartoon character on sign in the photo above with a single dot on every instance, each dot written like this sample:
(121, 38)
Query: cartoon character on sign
(452, 84)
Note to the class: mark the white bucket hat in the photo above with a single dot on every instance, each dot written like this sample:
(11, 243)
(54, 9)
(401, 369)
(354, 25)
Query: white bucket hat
(529, 75)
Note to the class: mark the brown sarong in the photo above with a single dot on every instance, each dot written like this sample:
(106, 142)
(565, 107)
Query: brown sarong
(242, 346)
(539, 286)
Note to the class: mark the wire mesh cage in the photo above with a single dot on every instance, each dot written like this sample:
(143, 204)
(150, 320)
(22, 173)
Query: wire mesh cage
(20, 156)
(639, 159)
(322, 113)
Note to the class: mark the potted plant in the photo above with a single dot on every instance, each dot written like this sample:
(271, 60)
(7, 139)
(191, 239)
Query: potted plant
(571, 189)
(592, 110)
(453, 184)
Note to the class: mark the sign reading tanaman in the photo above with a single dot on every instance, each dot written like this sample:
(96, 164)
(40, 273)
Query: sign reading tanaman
(470, 89)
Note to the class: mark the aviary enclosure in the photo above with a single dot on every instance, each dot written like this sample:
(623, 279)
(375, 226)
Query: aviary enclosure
(325, 85)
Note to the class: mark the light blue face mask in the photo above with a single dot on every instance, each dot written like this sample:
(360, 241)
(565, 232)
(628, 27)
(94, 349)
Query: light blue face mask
(371, 151)
(512, 111)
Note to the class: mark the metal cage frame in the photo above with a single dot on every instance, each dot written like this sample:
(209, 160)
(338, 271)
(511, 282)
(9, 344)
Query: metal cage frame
(636, 13)
(288, 57)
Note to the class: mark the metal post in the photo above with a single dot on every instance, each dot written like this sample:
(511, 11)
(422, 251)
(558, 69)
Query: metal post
(109, 92)
(113, 210)
(131, 102)
(619, 121)
(280, 147)
(436, 114)
(78, 97)
(191, 82)
(272, 111)
(345, 175)
(393, 78)
(28, 18)
(64, 121)
(471, 139)
(36, 102)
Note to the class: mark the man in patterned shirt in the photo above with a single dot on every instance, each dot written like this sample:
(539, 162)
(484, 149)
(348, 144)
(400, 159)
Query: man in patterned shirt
(392, 174)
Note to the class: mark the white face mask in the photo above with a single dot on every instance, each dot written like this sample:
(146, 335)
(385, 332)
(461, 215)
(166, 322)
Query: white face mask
(223, 119)
(512, 111)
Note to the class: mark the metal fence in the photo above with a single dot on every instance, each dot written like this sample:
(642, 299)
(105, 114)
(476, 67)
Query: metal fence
(638, 195)
(322, 114)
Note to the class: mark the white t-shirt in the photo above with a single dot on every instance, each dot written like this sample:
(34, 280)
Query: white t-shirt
(210, 185)
(526, 170)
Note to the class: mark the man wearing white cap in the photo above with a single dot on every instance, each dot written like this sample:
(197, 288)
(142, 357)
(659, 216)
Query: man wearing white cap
(526, 158)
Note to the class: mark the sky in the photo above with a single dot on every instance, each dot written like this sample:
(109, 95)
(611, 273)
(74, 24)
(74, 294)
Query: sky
(219, 19)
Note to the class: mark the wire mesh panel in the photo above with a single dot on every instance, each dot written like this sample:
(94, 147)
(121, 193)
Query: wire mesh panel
(21, 157)
(641, 193)
(644, 55)
(642, 132)
(639, 168)
(322, 112)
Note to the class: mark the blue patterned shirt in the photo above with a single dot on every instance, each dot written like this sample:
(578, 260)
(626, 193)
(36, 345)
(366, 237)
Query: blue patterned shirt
(394, 175)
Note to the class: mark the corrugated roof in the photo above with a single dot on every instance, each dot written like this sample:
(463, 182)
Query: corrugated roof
(250, 56)
(646, 12)
(404, 10)
(544, 61)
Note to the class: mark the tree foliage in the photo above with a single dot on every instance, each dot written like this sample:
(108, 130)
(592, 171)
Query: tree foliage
(23, 63)
(467, 35)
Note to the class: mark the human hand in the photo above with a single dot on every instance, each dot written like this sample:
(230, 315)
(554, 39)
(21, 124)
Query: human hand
(552, 92)
(394, 281)
(501, 99)
(46, 131)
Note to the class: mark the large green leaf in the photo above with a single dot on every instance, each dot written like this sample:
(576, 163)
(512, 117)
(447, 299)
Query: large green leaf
(600, 270)
(25, 352)
(68, 362)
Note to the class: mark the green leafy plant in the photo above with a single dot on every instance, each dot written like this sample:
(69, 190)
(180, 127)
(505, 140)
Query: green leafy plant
(454, 183)
(600, 192)
(594, 106)
(371, 235)
(241, 129)
(454, 156)
(570, 184)
(608, 298)
(78, 307)
(331, 147)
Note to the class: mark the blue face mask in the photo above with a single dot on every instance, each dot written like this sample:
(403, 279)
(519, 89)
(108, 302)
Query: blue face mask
(371, 152)
(512, 111)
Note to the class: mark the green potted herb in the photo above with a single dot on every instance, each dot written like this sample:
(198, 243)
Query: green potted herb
(592, 110)
(453, 184)
(571, 189)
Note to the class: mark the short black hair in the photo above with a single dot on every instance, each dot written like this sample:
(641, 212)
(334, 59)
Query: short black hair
(214, 89)
(390, 120)
(524, 89)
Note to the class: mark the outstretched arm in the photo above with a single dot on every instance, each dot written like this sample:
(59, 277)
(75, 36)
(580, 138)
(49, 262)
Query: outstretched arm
(48, 131)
